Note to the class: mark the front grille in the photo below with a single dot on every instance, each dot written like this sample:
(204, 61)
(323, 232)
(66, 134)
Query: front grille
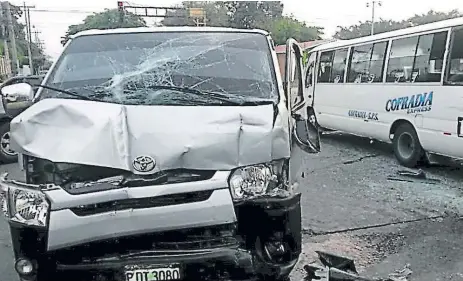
(41, 171)
(186, 239)
(142, 203)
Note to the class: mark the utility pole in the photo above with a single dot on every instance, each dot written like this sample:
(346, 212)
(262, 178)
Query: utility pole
(6, 51)
(27, 16)
(373, 3)
(12, 35)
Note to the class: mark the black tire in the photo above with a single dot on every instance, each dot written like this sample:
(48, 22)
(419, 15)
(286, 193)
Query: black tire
(406, 145)
(6, 157)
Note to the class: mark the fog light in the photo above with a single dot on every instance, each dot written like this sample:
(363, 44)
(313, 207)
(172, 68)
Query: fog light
(24, 266)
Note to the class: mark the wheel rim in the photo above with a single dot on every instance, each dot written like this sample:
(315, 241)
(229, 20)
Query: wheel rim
(406, 145)
(5, 145)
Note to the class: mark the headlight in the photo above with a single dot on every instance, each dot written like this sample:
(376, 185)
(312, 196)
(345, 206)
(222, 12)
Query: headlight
(257, 180)
(27, 206)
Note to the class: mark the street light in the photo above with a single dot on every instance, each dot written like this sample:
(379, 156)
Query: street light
(373, 3)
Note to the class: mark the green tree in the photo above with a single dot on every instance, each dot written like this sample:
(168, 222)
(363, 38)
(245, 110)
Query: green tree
(109, 19)
(363, 28)
(288, 27)
(253, 14)
(266, 15)
(432, 16)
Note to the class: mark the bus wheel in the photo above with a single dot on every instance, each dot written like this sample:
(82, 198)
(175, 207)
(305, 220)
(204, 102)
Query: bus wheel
(407, 147)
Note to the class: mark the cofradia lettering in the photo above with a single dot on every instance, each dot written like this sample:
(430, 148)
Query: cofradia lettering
(413, 104)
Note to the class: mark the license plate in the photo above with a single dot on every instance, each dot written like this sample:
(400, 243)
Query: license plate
(153, 274)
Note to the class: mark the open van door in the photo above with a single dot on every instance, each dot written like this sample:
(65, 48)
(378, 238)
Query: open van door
(304, 136)
(304, 130)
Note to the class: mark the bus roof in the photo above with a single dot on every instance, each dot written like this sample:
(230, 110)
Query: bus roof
(396, 33)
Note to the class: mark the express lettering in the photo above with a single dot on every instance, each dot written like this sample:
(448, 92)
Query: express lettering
(414, 103)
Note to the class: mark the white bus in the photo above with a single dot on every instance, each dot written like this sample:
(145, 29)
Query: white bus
(404, 87)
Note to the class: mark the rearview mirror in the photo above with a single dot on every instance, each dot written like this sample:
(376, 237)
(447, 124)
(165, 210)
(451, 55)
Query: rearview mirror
(16, 98)
(306, 134)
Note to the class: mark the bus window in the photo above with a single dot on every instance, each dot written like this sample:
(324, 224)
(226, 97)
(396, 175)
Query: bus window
(401, 59)
(310, 69)
(339, 66)
(326, 64)
(455, 72)
(377, 62)
(360, 63)
(430, 57)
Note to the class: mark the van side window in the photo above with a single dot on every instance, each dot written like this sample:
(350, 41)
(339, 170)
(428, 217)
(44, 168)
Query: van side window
(326, 65)
(339, 66)
(455, 69)
(429, 57)
(401, 58)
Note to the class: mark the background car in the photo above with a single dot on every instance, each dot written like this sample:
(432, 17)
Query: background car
(6, 154)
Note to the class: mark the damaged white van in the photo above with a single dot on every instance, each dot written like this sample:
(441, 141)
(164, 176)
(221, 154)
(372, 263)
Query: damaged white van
(160, 154)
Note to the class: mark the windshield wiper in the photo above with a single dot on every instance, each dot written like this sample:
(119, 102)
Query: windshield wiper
(214, 95)
(70, 93)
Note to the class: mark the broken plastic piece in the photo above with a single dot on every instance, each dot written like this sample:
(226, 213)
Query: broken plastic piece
(335, 268)
(419, 175)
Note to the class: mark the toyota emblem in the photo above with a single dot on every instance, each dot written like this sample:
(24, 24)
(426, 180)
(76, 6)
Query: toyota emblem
(144, 164)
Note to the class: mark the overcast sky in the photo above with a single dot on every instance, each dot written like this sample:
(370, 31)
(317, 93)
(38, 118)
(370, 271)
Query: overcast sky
(52, 17)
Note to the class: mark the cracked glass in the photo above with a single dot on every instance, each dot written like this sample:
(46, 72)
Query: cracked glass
(167, 68)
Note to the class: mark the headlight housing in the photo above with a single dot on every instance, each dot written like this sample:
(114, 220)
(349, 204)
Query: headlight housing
(24, 205)
(257, 180)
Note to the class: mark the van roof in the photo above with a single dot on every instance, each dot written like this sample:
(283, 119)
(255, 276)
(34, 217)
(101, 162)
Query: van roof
(165, 29)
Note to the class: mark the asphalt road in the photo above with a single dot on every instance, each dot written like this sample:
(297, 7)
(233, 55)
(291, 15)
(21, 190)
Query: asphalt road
(347, 194)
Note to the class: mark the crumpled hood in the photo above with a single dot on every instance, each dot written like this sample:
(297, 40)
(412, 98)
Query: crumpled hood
(113, 135)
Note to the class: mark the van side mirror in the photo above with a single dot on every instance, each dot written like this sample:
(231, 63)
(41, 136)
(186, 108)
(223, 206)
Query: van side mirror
(306, 134)
(16, 98)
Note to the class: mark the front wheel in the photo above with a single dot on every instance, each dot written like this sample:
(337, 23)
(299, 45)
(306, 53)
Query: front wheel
(407, 147)
(6, 154)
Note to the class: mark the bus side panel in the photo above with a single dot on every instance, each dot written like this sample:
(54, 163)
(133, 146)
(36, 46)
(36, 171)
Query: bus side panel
(440, 122)
(370, 110)
(353, 108)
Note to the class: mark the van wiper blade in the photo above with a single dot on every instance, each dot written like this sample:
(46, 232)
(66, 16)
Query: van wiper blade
(70, 93)
(214, 95)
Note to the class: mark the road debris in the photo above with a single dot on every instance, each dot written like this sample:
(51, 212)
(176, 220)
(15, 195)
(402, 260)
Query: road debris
(360, 159)
(412, 176)
(401, 275)
(338, 268)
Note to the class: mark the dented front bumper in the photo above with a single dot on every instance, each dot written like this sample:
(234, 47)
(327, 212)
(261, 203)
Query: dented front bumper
(212, 237)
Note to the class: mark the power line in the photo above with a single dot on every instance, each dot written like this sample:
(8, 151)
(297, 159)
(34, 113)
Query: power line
(65, 11)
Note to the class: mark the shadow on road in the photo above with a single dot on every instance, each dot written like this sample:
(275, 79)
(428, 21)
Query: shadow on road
(444, 167)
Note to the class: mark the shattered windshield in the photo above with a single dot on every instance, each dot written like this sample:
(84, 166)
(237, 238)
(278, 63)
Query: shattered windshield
(162, 68)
